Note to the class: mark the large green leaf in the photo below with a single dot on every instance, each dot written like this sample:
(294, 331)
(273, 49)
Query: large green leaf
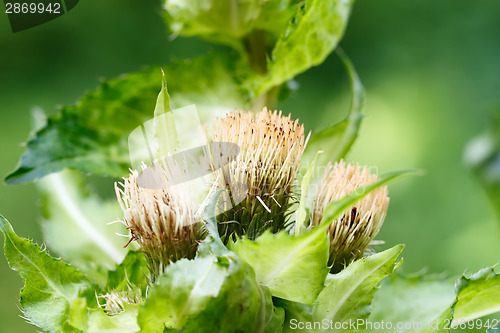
(275, 16)
(311, 35)
(477, 296)
(413, 300)
(52, 289)
(345, 299)
(336, 140)
(292, 267)
(349, 293)
(75, 224)
(241, 306)
(209, 294)
(230, 22)
(92, 135)
(182, 292)
(218, 21)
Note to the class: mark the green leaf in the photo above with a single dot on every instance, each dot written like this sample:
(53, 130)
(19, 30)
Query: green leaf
(132, 270)
(75, 225)
(165, 131)
(217, 21)
(241, 306)
(229, 22)
(336, 140)
(182, 292)
(273, 316)
(295, 313)
(97, 321)
(349, 294)
(301, 213)
(477, 296)
(92, 135)
(212, 243)
(275, 16)
(412, 299)
(312, 34)
(292, 267)
(207, 295)
(51, 287)
(123, 322)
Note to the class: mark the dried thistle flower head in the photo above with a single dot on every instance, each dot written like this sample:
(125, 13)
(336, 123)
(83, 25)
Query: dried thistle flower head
(261, 176)
(162, 220)
(351, 233)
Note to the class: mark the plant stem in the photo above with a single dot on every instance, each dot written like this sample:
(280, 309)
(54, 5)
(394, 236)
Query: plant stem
(257, 53)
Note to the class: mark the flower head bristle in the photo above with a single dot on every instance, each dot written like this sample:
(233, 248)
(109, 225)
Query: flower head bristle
(262, 174)
(161, 220)
(350, 233)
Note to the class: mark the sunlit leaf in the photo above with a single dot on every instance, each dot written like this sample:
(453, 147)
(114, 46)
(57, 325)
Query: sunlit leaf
(312, 34)
(349, 293)
(182, 292)
(416, 300)
(131, 271)
(207, 295)
(52, 289)
(97, 321)
(218, 21)
(241, 306)
(477, 296)
(292, 267)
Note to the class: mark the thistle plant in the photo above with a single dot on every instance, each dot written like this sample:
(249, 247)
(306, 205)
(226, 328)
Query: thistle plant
(256, 255)
(162, 221)
(264, 171)
(351, 232)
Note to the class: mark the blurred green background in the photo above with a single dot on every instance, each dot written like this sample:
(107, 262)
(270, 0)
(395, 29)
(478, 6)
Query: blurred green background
(432, 74)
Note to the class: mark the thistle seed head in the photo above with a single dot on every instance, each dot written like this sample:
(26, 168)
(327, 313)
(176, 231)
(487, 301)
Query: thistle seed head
(260, 178)
(162, 221)
(351, 233)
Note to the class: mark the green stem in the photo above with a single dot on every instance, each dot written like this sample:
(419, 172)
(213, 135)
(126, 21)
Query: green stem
(257, 53)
